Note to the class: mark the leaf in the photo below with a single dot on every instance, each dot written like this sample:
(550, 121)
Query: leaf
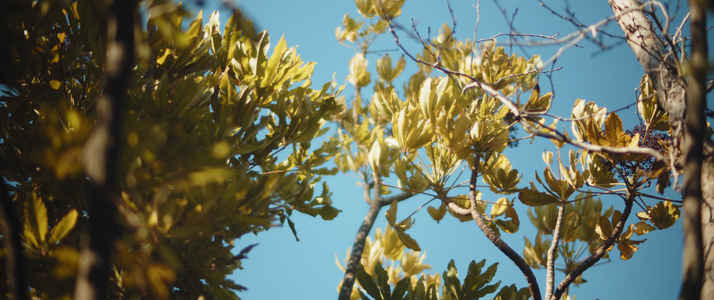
(408, 240)
(64, 226)
(392, 214)
(367, 282)
(401, 288)
(38, 214)
(437, 214)
(643, 228)
(664, 214)
(604, 228)
(531, 197)
(499, 207)
(158, 277)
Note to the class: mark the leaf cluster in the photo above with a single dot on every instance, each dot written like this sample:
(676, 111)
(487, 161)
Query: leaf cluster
(218, 140)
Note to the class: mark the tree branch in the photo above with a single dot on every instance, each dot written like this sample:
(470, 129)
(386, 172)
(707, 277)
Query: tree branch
(101, 154)
(375, 205)
(599, 253)
(399, 197)
(652, 55)
(556, 135)
(497, 241)
(695, 123)
(550, 262)
(357, 248)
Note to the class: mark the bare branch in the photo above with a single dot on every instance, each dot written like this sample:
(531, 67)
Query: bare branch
(550, 261)
(598, 254)
(497, 241)
(594, 148)
(375, 205)
(357, 248)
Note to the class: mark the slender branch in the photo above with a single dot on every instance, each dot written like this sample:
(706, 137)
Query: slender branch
(599, 253)
(595, 148)
(358, 247)
(375, 205)
(497, 241)
(13, 245)
(399, 197)
(695, 122)
(550, 263)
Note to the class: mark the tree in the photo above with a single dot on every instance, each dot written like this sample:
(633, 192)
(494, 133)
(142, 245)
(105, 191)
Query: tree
(461, 120)
(136, 153)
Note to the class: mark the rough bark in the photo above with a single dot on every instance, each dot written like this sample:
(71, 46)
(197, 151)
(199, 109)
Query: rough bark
(100, 156)
(375, 206)
(356, 255)
(497, 241)
(658, 62)
(695, 123)
(661, 66)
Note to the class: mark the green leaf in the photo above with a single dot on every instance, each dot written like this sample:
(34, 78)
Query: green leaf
(367, 282)
(382, 279)
(401, 288)
(452, 285)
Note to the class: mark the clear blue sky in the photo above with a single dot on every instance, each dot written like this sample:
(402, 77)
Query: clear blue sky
(281, 268)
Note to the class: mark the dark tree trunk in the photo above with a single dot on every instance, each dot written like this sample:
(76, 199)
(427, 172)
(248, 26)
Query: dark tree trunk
(101, 154)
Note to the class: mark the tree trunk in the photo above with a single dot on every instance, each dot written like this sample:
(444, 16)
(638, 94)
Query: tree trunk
(101, 155)
(660, 64)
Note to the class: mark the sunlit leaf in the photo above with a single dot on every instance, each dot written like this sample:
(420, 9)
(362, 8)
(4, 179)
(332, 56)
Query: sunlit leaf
(63, 227)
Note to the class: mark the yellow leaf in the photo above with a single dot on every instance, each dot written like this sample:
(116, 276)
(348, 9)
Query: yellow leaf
(40, 217)
(358, 76)
(67, 262)
(643, 228)
(437, 214)
(55, 84)
(500, 207)
(392, 214)
(604, 228)
(162, 58)
(158, 277)
(29, 235)
(64, 226)
(209, 175)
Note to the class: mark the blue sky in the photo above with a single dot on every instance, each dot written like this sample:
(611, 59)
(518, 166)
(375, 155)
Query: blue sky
(282, 268)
